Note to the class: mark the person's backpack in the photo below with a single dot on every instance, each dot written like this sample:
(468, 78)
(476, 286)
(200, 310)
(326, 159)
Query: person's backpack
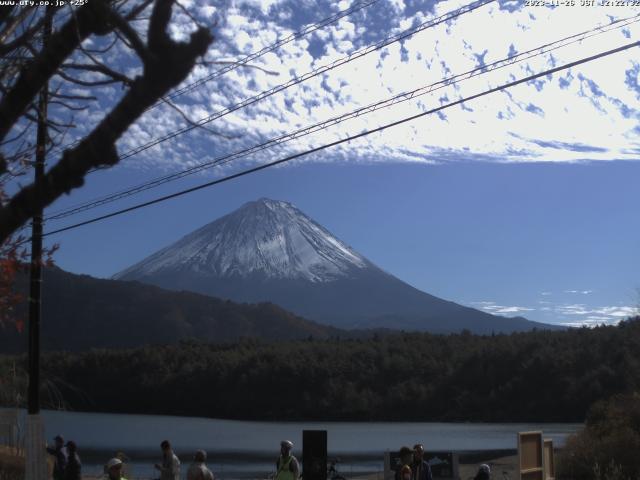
(290, 463)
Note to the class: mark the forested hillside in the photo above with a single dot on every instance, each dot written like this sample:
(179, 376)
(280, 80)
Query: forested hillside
(81, 312)
(536, 376)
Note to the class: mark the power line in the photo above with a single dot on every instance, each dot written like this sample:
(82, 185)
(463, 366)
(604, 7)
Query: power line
(360, 111)
(318, 71)
(311, 74)
(396, 99)
(255, 55)
(347, 139)
(297, 80)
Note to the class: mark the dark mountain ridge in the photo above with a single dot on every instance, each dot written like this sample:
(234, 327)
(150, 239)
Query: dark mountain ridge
(81, 312)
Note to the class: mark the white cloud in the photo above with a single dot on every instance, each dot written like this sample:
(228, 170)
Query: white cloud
(496, 309)
(587, 322)
(612, 311)
(585, 113)
(263, 5)
(398, 5)
(593, 316)
(207, 11)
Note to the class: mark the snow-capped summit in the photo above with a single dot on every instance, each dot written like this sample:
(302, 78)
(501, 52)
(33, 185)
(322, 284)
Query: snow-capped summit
(267, 238)
(269, 250)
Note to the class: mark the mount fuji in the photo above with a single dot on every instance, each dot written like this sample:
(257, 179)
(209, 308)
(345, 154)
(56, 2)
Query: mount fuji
(268, 250)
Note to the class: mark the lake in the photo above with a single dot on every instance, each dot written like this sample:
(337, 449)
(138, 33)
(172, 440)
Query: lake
(246, 448)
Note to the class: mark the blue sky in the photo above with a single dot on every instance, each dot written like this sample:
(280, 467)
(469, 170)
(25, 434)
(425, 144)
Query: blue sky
(519, 203)
(552, 242)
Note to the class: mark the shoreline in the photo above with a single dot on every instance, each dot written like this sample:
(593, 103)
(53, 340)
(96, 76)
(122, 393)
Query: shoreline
(296, 421)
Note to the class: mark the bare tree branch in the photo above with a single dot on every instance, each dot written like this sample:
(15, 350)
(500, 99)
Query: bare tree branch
(86, 83)
(12, 23)
(90, 19)
(17, 136)
(5, 13)
(105, 49)
(75, 108)
(73, 97)
(132, 37)
(133, 14)
(100, 68)
(187, 13)
(168, 63)
(26, 36)
(53, 123)
(192, 123)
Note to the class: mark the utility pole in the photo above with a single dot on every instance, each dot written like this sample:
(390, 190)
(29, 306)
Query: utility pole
(36, 467)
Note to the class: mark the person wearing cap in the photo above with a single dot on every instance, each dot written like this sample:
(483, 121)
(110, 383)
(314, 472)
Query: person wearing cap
(421, 469)
(484, 472)
(404, 471)
(287, 467)
(73, 469)
(124, 459)
(59, 453)
(123, 466)
(170, 467)
(114, 469)
(198, 469)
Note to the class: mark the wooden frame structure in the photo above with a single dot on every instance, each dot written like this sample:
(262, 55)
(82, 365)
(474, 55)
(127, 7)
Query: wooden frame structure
(531, 456)
(549, 460)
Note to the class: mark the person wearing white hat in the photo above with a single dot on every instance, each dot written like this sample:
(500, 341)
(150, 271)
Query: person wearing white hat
(484, 472)
(287, 465)
(198, 469)
(114, 469)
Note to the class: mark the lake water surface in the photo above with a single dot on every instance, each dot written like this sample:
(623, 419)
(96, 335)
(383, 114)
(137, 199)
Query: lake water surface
(246, 448)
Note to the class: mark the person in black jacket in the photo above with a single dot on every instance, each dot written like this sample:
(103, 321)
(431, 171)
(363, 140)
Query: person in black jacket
(59, 452)
(421, 469)
(73, 470)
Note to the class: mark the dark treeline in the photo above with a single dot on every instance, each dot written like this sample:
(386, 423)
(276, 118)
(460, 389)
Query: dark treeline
(536, 376)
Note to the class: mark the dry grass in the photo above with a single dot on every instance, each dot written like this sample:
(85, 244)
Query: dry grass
(11, 464)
